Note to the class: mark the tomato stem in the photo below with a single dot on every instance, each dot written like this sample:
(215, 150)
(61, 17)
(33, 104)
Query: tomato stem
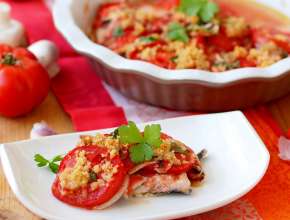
(9, 59)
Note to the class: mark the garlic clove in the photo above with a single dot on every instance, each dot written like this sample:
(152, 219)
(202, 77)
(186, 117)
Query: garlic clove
(41, 129)
(284, 148)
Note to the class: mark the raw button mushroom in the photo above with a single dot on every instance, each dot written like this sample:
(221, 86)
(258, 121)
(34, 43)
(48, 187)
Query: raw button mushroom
(47, 55)
(12, 31)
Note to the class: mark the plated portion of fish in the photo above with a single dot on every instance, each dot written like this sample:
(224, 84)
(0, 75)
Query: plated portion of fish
(126, 163)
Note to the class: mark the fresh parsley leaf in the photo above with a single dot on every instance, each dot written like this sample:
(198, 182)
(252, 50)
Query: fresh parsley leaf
(57, 158)
(40, 160)
(52, 164)
(130, 134)
(118, 32)
(191, 7)
(141, 152)
(142, 144)
(205, 9)
(149, 39)
(208, 11)
(152, 135)
(53, 167)
(177, 32)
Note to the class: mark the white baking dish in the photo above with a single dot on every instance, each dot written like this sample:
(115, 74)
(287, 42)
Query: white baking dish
(175, 89)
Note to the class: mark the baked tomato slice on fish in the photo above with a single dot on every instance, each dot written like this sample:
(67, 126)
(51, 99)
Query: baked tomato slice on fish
(89, 177)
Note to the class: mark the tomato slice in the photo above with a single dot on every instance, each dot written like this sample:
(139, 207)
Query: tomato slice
(164, 136)
(188, 162)
(163, 59)
(284, 44)
(133, 180)
(260, 36)
(168, 4)
(127, 38)
(247, 63)
(86, 196)
(221, 43)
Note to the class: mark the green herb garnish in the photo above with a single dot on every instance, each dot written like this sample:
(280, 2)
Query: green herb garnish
(143, 145)
(130, 134)
(115, 133)
(204, 9)
(149, 39)
(152, 135)
(118, 32)
(141, 152)
(177, 32)
(93, 176)
(52, 164)
(173, 59)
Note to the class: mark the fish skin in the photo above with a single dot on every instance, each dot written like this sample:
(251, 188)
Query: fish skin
(162, 184)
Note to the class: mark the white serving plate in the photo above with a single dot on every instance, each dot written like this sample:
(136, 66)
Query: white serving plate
(237, 161)
(192, 89)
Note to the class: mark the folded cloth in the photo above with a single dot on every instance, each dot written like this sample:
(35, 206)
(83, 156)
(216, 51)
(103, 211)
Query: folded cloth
(83, 96)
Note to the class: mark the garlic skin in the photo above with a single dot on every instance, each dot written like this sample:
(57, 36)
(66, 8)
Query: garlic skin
(41, 129)
(47, 54)
(12, 31)
(284, 148)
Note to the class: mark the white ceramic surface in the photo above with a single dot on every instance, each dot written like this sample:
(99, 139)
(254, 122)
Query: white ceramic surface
(237, 161)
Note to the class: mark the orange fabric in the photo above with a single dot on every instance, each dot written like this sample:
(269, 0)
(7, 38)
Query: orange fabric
(271, 197)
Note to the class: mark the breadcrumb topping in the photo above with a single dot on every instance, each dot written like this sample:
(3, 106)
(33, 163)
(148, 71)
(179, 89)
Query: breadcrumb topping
(267, 54)
(191, 57)
(109, 142)
(235, 26)
(77, 176)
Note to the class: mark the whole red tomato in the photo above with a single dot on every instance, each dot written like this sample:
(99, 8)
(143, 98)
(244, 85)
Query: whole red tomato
(24, 83)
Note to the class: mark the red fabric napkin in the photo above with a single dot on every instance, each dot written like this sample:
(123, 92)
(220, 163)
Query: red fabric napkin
(83, 96)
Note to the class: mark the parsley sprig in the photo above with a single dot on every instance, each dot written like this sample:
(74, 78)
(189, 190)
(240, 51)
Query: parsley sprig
(204, 9)
(143, 145)
(177, 32)
(148, 39)
(53, 164)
